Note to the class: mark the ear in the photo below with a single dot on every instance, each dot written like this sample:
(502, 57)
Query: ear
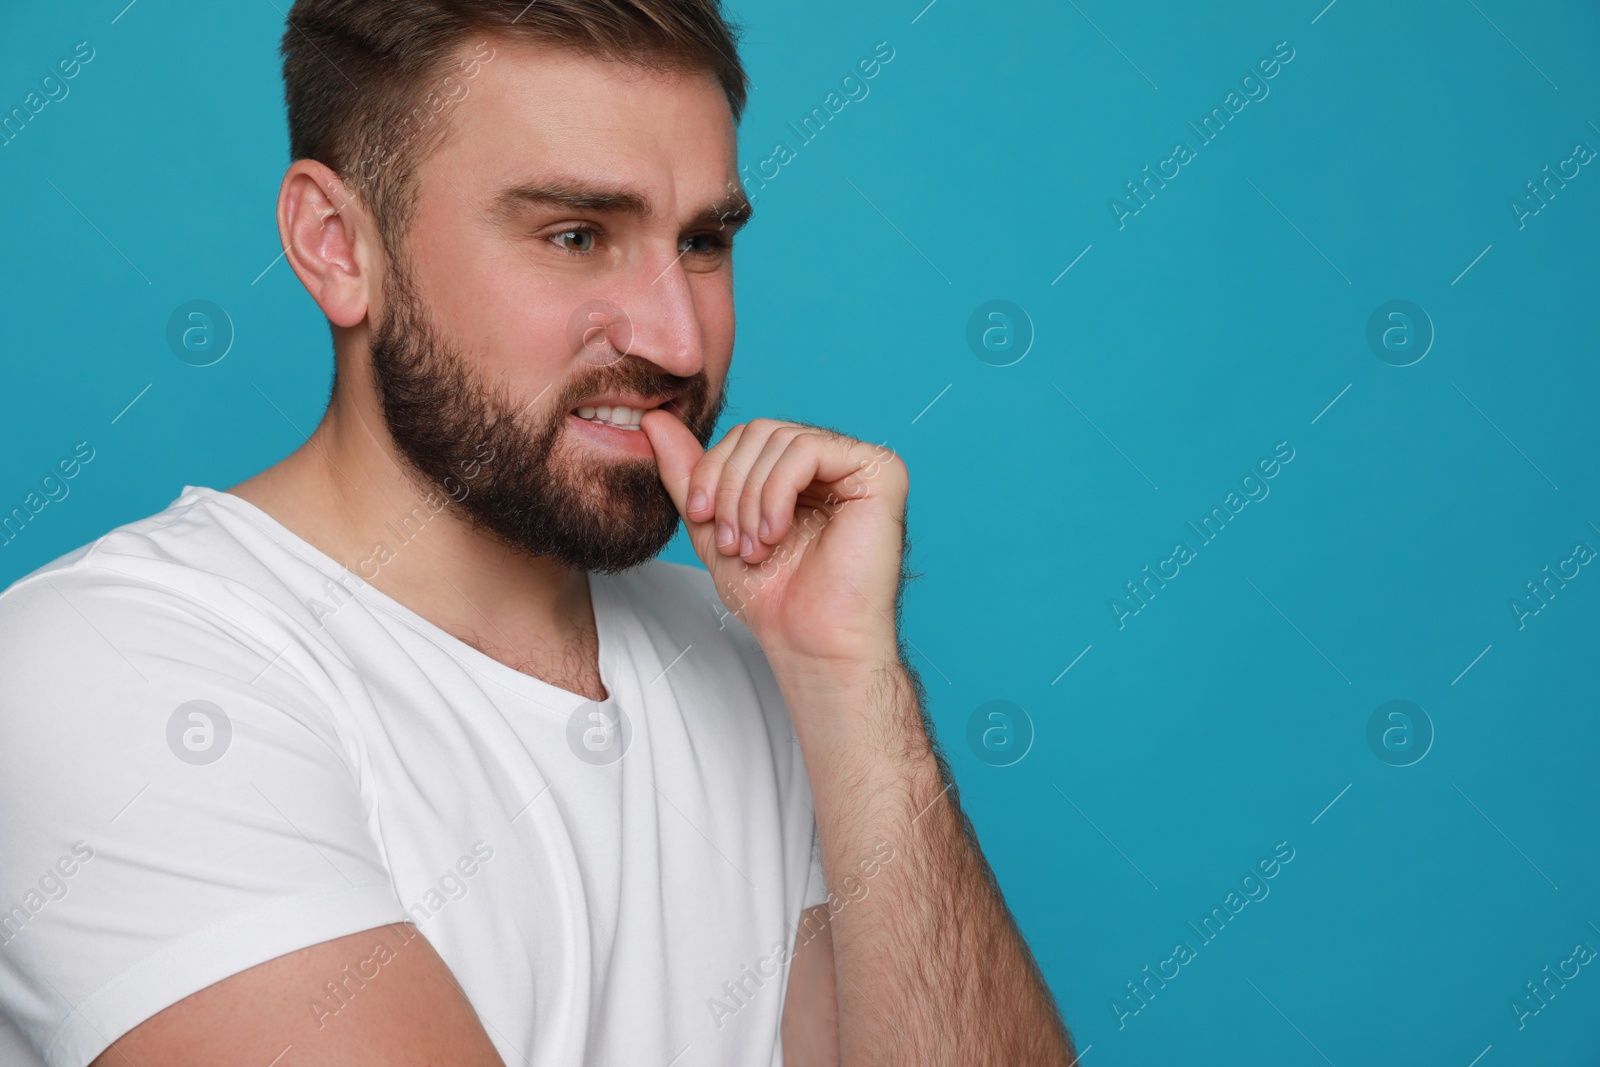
(330, 241)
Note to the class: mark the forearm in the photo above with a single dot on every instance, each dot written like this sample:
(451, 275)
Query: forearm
(930, 967)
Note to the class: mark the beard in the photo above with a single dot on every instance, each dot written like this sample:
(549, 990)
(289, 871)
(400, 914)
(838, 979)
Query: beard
(534, 489)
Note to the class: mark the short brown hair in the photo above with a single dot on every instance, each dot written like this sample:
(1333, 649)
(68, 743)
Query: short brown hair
(361, 77)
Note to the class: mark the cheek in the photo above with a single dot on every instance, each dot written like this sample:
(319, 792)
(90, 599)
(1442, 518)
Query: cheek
(494, 311)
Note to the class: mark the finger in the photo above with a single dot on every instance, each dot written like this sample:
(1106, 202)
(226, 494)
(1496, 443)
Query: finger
(677, 452)
(795, 471)
(703, 482)
(731, 539)
(752, 519)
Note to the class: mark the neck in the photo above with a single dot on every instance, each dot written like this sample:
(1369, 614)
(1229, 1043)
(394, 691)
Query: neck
(348, 492)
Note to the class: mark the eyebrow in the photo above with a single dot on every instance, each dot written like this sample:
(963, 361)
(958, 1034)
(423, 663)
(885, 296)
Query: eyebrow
(730, 212)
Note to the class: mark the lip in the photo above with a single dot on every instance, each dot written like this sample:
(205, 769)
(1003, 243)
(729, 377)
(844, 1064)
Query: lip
(629, 442)
(627, 400)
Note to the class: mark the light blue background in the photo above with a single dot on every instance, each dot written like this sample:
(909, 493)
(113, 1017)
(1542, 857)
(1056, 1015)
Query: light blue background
(1225, 716)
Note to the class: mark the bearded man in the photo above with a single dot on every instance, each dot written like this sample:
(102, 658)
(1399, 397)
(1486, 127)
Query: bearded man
(408, 750)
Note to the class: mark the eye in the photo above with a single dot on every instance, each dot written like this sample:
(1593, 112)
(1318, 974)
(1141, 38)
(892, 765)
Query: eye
(575, 242)
(704, 244)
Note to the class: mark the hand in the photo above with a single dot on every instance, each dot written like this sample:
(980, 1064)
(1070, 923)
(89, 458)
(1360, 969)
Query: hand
(801, 528)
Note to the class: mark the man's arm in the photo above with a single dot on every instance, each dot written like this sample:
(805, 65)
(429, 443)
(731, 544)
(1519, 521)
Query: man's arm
(803, 531)
(305, 1010)
(929, 965)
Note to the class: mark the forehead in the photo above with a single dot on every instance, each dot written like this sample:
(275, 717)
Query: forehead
(536, 109)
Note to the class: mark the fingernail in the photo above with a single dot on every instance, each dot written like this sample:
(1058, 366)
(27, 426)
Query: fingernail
(724, 534)
(697, 502)
(745, 547)
(765, 529)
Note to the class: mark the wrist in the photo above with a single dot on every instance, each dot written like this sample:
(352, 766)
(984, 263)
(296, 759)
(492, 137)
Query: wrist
(863, 713)
(844, 676)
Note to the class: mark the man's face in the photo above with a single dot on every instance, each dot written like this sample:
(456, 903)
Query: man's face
(568, 251)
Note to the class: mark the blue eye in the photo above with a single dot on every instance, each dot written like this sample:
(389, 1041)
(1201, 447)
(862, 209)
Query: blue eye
(583, 239)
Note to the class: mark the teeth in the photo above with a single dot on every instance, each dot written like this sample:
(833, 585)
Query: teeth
(614, 415)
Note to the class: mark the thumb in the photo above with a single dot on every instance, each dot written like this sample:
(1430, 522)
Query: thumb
(677, 452)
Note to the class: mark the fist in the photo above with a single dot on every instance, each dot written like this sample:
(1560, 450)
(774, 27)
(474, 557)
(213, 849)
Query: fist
(802, 529)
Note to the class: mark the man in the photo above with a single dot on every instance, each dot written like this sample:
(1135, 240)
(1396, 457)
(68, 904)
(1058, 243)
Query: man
(405, 751)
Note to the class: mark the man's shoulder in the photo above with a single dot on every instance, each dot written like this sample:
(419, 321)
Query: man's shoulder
(152, 615)
(173, 564)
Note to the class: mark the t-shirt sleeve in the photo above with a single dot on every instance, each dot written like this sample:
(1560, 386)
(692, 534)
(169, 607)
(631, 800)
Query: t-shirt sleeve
(175, 807)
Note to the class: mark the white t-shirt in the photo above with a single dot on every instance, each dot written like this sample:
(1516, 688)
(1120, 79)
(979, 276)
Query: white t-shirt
(218, 745)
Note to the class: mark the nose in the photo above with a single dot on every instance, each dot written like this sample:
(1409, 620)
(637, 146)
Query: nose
(659, 322)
